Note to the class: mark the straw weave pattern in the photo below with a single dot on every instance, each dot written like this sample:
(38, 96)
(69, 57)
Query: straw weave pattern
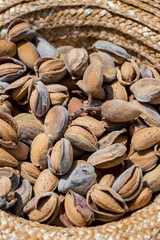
(132, 24)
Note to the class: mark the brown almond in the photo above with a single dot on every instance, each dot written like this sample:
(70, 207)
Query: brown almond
(39, 148)
(46, 182)
(27, 53)
(146, 138)
(7, 48)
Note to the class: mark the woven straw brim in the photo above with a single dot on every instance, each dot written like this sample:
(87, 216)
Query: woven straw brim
(134, 25)
(143, 224)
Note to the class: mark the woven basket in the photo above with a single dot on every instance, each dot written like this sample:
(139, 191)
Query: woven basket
(134, 25)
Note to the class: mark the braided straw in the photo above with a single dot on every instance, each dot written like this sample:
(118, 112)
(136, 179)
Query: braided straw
(132, 24)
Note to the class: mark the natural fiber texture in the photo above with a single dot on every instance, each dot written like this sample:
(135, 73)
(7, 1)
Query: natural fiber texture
(143, 224)
(132, 24)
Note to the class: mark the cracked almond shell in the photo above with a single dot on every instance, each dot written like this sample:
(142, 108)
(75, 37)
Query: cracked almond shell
(82, 137)
(50, 69)
(19, 29)
(9, 134)
(97, 127)
(108, 157)
(60, 157)
(129, 184)
(74, 210)
(42, 207)
(109, 70)
(146, 89)
(106, 204)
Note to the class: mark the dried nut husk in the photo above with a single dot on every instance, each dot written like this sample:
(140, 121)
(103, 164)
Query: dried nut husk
(108, 157)
(118, 54)
(42, 207)
(5, 108)
(146, 138)
(7, 196)
(58, 94)
(142, 199)
(7, 48)
(82, 137)
(99, 94)
(39, 148)
(93, 77)
(97, 127)
(9, 134)
(29, 126)
(46, 182)
(29, 171)
(39, 100)
(20, 153)
(23, 194)
(19, 29)
(3, 86)
(12, 174)
(155, 73)
(5, 99)
(63, 50)
(74, 105)
(129, 184)
(146, 159)
(56, 122)
(152, 180)
(20, 90)
(44, 48)
(79, 178)
(107, 180)
(129, 72)
(110, 138)
(60, 157)
(6, 159)
(74, 211)
(116, 91)
(109, 70)
(149, 114)
(5, 184)
(146, 89)
(5, 203)
(50, 69)
(27, 53)
(76, 61)
(106, 204)
(146, 72)
(157, 149)
(117, 110)
(11, 69)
